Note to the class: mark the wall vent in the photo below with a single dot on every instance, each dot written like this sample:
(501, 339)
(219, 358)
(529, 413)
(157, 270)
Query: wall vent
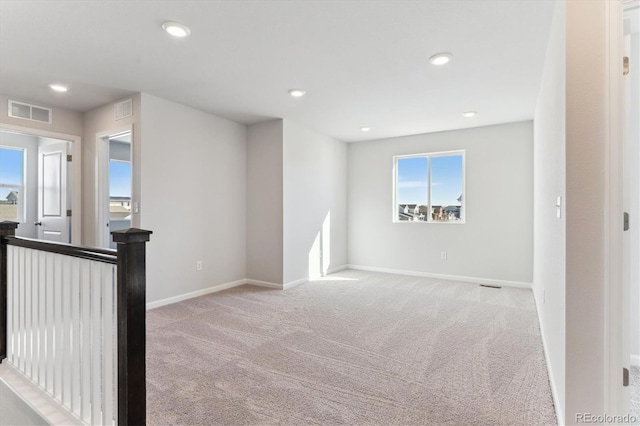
(29, 112)
(123, 109)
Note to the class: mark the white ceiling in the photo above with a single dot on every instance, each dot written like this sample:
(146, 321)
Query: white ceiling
(362, 63)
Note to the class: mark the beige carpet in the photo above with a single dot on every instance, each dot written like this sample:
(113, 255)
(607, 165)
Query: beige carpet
(356, 348)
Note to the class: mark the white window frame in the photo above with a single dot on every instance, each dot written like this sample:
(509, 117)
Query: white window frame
(429, 156)
(22, 211)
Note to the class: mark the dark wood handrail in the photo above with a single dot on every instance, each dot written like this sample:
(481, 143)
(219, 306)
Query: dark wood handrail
(90, 253)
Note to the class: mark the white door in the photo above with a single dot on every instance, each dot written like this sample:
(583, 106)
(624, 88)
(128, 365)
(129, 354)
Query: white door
(52, 221)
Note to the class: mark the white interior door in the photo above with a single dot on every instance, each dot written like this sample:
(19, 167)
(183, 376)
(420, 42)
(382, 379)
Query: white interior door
(53, 223)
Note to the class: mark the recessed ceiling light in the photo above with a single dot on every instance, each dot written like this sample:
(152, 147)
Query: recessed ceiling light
(441, 58)
(365, 129)
(469, 114)
(58, 87)
(176, 29)
(297, 93)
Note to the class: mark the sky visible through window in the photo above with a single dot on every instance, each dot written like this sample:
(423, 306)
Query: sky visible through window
(120, 179)
(11, 169)
(446, 180)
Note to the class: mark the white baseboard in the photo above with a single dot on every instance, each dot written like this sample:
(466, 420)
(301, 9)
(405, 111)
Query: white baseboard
(488, 281)
(295, 283)
(337, 269)
(266, 284)
(635, 360)
(277, 286)
(35, 397)
(191, 295)
(552, 382)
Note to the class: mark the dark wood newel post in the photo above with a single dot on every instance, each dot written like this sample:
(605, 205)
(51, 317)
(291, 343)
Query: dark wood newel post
(7, 229)
(132, 394)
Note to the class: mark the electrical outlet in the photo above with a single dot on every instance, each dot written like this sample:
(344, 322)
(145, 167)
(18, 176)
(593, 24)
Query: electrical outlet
(443, 255)
(199, 265)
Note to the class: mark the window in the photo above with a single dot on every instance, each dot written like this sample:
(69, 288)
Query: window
(12, 194)
(429, 187)
(119, 189)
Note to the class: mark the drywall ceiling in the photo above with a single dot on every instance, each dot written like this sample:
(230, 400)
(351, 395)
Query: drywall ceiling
(362, 63)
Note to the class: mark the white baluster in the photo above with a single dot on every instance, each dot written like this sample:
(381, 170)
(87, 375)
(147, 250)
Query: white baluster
(11, 305)
(108, 339)
(58, 328)
(42, 294)
(28, 330)
(96, 345)
(76, 338)
(85, 307)
(50, 322)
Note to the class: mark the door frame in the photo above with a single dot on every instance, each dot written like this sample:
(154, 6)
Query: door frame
(102, 180)
(617, 355)
(76, 189)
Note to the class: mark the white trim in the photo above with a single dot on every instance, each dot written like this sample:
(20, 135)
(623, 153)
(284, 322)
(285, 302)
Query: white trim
(76, 152)
(337, 269)
(635, 360)
(554, 387)
(35, 397)
(263, 284)
(31, 107)
(101, 201)
(198, 293)
(295, 283)
(616, 339)
(428, 156)
(475, 280)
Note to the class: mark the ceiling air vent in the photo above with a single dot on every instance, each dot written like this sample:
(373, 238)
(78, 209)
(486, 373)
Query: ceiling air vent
(29, 112)
(123, 109)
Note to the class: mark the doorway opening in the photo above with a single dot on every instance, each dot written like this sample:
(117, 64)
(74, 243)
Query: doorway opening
(115, 205)
(36, 185)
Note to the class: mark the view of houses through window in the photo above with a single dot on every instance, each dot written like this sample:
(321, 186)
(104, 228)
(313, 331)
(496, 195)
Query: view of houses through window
(12, 162)
(429, 187)
(119, 190)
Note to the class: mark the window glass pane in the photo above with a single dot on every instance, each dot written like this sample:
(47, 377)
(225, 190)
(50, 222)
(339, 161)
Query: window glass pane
(10, 204)
(11, 167)
(119, 189)
(411, 188)
(11, 183)
(446, 188)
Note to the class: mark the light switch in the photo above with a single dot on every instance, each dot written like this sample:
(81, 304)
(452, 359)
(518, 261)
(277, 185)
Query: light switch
(559, 207)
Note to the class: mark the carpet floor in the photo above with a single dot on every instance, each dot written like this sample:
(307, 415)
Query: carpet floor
(354, 348)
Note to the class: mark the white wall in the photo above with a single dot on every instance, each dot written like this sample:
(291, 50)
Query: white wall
(549, 182)
(119, 151)
(315, 203)
(96, 121)
(193, 173)
(264, 202)
(30, 144)
(495, 243)
(586, 163)
(62, 120)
